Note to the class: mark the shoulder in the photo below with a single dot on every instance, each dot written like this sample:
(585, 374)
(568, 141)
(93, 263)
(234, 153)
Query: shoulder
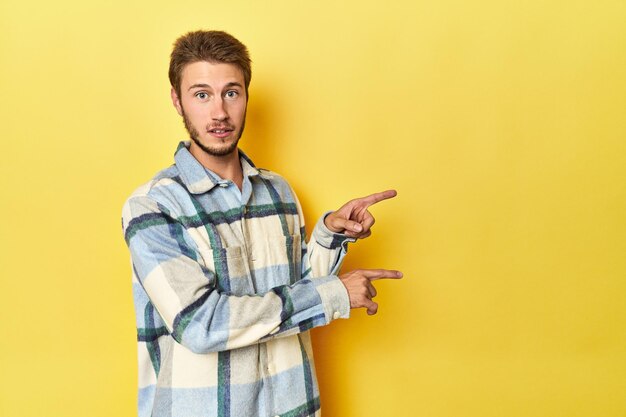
(250, 169)
(153, 194)
(278, 184)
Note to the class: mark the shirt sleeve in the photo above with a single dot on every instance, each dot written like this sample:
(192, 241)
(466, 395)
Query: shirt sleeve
(326, 249)
(166, 263)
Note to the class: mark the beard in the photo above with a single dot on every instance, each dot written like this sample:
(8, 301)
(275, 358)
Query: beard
(224, 150)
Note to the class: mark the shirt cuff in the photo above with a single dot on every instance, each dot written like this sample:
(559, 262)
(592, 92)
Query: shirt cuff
(329, 239)
(335, 300)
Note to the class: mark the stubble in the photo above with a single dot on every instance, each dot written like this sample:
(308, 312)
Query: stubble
(211, 150)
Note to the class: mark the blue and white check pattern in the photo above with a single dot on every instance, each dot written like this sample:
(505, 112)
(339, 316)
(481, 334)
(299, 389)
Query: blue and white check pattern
(225, 290)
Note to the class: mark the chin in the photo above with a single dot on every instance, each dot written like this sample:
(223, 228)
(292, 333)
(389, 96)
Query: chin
(223, 149)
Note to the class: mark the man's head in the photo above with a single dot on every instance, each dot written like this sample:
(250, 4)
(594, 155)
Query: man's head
(210, 74)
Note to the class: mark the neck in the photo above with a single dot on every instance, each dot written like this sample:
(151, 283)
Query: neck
(227, 167)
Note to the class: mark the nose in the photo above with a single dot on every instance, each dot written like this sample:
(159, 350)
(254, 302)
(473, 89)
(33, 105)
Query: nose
(218, 110)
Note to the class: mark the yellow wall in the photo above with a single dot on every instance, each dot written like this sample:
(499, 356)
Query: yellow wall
(501, 124)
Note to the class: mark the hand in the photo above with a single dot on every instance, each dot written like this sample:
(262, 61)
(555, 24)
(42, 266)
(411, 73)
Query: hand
(353, 218)
(360, 288)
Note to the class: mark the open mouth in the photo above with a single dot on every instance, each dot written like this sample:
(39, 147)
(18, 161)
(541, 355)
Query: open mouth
(221, 132)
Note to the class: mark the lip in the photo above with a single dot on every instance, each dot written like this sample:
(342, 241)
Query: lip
(220, 133)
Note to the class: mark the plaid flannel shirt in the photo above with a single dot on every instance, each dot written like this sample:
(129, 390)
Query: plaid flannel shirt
(225, 290)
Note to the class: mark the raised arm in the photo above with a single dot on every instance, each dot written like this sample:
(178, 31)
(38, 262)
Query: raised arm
(325, 251)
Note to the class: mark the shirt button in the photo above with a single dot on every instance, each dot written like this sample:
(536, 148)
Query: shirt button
(223, 184)
(336, 315)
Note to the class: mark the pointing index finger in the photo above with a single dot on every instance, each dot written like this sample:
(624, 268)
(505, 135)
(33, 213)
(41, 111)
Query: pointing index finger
(374, 274)
(378, 197)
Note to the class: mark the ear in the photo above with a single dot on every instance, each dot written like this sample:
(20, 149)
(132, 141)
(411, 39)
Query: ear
(176, 101)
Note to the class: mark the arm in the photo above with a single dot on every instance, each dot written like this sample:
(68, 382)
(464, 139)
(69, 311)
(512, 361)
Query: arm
(165, 262)
(325, 251)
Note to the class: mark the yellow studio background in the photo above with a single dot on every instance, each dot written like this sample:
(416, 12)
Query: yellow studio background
(501, 125)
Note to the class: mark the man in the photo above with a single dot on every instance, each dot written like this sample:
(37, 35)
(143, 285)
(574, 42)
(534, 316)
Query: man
(225, 285)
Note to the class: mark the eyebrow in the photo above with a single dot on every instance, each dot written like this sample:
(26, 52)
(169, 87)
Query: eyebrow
(230, 84)
(199, 86)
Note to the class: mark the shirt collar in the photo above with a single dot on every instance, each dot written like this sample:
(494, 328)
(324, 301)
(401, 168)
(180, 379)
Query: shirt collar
(199, 179)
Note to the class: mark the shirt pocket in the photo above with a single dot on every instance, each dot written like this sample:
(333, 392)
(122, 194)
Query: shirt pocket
(276, 260)
(231, 268)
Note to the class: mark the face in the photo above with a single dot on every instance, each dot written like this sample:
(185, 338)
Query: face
(212, 103)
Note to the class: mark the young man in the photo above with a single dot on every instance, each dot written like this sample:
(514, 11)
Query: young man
(225, 285)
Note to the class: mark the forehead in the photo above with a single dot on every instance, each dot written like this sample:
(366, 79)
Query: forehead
(213, 74)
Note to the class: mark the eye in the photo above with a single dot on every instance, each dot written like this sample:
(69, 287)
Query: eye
(202, 95)
(232, 94)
